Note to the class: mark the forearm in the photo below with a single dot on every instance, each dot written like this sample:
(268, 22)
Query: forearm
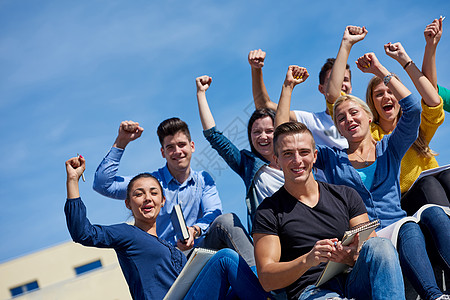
(284, 104)
(73, 190)
(428, 92)
(210, 204)
(105, 180)
(338, 73)
(429, 64)
(82, 231)
(205, 222)
(406, 131)
(121, 143)
(278, 275)
(225, 148)
(399, 90)
(260, 94)
(206, 116)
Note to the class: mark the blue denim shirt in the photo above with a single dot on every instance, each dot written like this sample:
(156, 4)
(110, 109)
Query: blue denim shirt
(382, 200)
(197, 196)
(245, 163)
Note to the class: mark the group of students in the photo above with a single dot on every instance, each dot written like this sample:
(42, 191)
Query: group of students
(309, 177)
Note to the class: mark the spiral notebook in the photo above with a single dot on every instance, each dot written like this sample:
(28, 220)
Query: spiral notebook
(334, 268)
(197, 260)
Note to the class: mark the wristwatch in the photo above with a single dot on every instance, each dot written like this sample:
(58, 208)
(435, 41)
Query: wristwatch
(198, 232)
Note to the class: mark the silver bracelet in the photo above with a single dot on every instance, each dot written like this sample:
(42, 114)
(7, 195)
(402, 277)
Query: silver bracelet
(387, 79)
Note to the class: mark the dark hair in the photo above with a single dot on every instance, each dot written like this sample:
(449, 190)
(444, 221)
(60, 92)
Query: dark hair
(290, 128)
(139, 176)
(258, 114)
(327, 67)
(171, 127)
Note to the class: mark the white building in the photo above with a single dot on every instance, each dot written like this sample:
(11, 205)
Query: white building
(66, 271)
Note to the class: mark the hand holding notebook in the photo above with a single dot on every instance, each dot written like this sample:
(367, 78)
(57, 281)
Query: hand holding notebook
(179, 223)
(334, 268)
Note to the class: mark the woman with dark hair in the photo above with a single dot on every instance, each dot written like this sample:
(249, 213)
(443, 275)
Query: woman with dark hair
(257, 168)
(149, 264)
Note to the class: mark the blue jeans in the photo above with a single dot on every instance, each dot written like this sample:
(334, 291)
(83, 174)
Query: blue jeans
(227, 231)
(375, 275)
(224, 270)
(413, 254)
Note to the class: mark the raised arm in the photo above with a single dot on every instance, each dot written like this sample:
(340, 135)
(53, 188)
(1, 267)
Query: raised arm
(294, 76)
(74, 168)
(106, 181)
(423, 85)
(432, 33)
(128, 131)
(80, 228)
(352, 35)
(206, 117)
(260, 95)
(369, 63)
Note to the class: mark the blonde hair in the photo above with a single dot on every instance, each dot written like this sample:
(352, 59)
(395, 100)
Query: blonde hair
(358, 101)
(420, 145)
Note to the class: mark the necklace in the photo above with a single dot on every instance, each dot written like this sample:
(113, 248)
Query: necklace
(366, 163)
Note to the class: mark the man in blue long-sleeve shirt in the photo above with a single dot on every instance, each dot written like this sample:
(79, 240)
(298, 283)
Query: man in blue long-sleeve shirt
(195, 191)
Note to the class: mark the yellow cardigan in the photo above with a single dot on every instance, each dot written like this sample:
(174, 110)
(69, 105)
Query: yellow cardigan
(412, 163)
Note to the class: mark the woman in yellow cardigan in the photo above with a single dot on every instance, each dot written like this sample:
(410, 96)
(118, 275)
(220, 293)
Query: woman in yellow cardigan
(432, 188)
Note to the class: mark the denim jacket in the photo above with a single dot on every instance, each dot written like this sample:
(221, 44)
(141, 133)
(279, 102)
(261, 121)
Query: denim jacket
(382, 200)
(245, 163)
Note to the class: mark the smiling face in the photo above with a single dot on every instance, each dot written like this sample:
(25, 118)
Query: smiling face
(296, 156)
(262, 136)
(145, 200)
(352, 121)
(385, 104)
(346, 84)
(177, 150)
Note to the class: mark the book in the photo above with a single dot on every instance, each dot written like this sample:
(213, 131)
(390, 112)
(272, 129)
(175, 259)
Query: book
(391, 231)
(430, 172)
(179, 223)
(197, 260)
(334, 268)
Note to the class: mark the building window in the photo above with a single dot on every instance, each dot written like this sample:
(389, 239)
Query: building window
(25, 288)
(88, 267)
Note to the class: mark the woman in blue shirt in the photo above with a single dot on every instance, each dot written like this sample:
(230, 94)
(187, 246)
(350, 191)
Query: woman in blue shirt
(150, 265)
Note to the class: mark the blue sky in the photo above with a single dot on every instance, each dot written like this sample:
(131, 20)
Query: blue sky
(71, 71)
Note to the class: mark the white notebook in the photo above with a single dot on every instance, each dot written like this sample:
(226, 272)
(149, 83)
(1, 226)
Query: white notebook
(334, 268)
(197, 260)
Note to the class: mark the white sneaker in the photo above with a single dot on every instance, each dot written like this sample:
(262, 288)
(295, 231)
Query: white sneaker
(444, 297)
